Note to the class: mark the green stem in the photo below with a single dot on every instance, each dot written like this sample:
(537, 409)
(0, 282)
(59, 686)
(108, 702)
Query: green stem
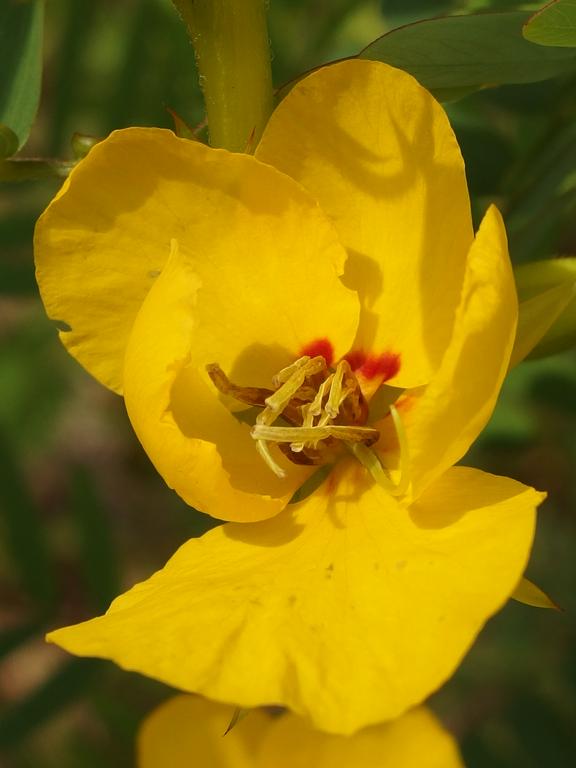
(26, 169)
(230, 38)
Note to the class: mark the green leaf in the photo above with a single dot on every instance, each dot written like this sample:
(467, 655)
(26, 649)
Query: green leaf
(546, 276)
(555, 24)
(542, 196)
(8, 142)
(21, 25)
(456, 55)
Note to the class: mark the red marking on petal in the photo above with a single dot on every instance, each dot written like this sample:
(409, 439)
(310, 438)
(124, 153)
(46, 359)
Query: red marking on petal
(355, 359)
(384, 366)
(317, 347)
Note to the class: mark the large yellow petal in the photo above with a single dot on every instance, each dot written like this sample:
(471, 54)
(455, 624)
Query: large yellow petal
(347, 607)
(252, 297)
(378, 153)
(188, 731)
(443, 419)
(416, 740)
(106, 236)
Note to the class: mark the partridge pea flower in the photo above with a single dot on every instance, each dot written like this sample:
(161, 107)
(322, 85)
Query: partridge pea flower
(187, 731)
(318, 324)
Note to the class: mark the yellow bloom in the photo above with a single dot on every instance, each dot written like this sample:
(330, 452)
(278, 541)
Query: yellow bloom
(330, 275)
(186, 731)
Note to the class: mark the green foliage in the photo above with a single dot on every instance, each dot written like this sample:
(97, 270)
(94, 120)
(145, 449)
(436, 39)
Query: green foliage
(97, 556)
(554, 25)
(8, 141)
(549, 275)
(454, 56)
(70, 682)
(21, 25)
(23, 533)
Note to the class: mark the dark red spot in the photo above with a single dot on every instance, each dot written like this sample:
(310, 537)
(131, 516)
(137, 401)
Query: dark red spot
(384, 366)
(319, 347)
(356, 359)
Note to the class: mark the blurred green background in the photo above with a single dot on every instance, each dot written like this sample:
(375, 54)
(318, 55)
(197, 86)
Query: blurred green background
(82, 513)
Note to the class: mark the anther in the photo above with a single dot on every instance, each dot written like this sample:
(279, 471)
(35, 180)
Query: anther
(296, 378)
(365, 435)
(248, 395)
(335, 397)
(309, 412)
(308, 398)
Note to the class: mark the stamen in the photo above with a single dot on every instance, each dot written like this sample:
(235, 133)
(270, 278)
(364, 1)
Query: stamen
(287, 372)
(368, 458)
(280, 399)
(334, 398)
(352, 434)
(309, 398)
(248, 395)
(312, 410)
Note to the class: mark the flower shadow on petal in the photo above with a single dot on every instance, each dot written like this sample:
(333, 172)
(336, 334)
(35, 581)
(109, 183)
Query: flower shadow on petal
(199, 414)
(276, 532)
(445, 503)
(364, 275)
(379, 154)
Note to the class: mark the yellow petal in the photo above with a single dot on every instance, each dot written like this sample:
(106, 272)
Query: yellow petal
(347, 607)
(254, 298)
(530, 594)
(416, 740)
(444, 418)
(106, 236)
(188, 731)
(378, 153)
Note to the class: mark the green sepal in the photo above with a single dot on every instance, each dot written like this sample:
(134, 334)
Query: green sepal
(547, 294)
(528, 593)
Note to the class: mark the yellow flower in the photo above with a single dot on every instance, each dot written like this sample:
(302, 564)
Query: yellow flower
(259, 315)
(186, 731)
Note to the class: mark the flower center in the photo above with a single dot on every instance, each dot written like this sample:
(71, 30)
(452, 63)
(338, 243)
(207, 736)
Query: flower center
(312, 412)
